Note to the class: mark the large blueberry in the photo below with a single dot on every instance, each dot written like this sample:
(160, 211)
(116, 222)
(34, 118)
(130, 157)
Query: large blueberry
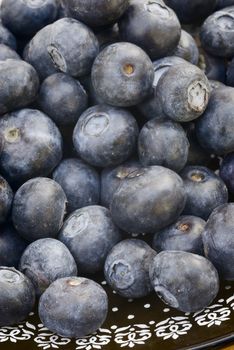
(184, 234)
(32, 145)
(11, 246)
(17, 296)
(163, 143)
(122, 74)
(160, 28)
(6, 52)
(73, 307)
(187, 48)
(45, 261)
(215, 128)
(26, 17)
(218, 239)
(96, 12)
(19, 89)
(148, 200)
(183, 92)
(80, 182)
(105, 135)
(6, 37)
(63, 98)
(205, 191)
(6, 197)
(89, 233)
(38, 209)
(50, 51)
(185, 281)
(227, 171)
(127, 268)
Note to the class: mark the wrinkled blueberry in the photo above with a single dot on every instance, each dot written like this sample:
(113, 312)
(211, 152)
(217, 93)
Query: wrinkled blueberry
(185, 281)
(80, 182)
(6, 37)
(187, 48)
(38, 209)
(122, 74)
(105, 135)
(227, 171)
(82, 303)
(89, 233)
(17, 296)
(127, 268)
(205, 191)
(45, 261)
(6, 197)
(8, 53)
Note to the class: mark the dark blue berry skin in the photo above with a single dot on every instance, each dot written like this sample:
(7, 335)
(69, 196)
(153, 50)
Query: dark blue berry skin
(105, 135)
(63, 99)
(205, 191)
(6, 37)
(215, 84)
(11, 246)
(185, 234)
(163, 143)
(82, 303)
(192, 11)
(224, 3)
(214, 67)
(50, 51)
(108, 35)
(150, 108)
(17, 296)
(19, 89)
(227, 171)
(38, 209)
(148, 200)
(112, 177)
(25, 18)
(80, 182)
(230, 73)
(197, 155)
(217, 33)
(96, 12)
(187, 48)
(122, 75)
(215, 128)
(185, 281)
(218, 239)
(160, 28)
(89, 233)
(183, 92)
(6, 52)
(127, 268)
(94, 99)
(45, 261)
(6, 197)
(19, 162)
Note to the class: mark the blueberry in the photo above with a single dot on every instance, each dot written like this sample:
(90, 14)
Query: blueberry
(187, 48)
(214, 67)
(132, 70)
(127, 268)
(45, 261)
(227, 171)
(63, 99)
(160, 28)
(217, 33)
(50, 51)
(8, 53)
(80, 182)
(148, 200)
(192, 11)
(163, 143)
(205, 191)
(17, 296)
(112, 177)
(215, 84)
(82, 303)
(22, 128)
(185, 234)
(25, 18)
(105, 135)
(38, 209)
(11, 246)
(6, 197)
(215, 128)
(96, 12)
(218, 239)
(185, 281)
(183, 92)
(6, 37)
(19, 89)
(230, 73)
(89, 233)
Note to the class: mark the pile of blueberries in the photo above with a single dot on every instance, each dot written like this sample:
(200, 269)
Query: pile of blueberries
(114, 123)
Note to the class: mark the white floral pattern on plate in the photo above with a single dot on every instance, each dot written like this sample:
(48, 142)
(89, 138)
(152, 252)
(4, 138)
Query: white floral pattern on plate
(173, 327)
(95, 341)
(132, 335)
(213, 315)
